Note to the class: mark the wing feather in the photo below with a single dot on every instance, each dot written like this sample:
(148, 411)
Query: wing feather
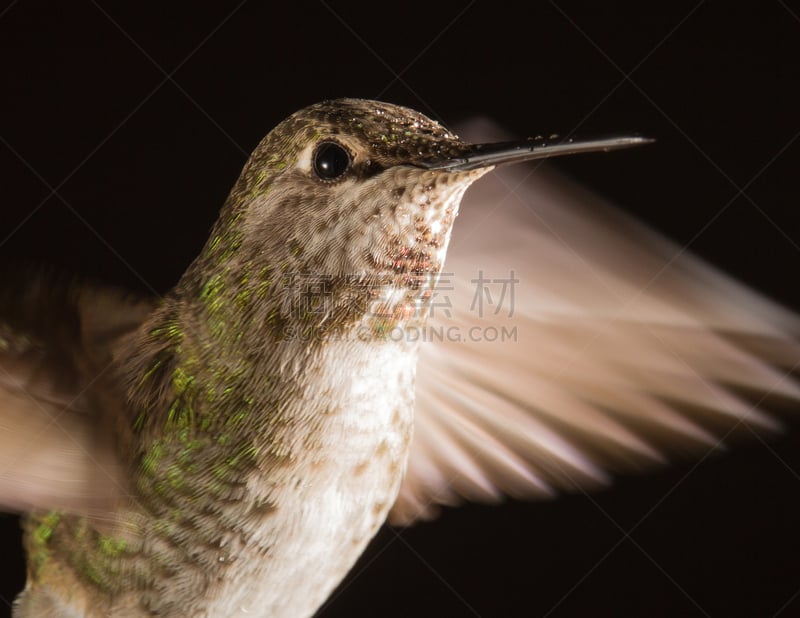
(625, 347)
(56, 445)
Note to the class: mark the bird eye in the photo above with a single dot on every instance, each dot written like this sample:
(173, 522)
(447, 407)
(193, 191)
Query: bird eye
(330, 160)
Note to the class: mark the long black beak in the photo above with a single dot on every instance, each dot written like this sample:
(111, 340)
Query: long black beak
(475, 156)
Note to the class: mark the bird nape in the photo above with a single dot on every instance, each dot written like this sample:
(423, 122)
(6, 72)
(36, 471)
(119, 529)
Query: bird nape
(331, 360)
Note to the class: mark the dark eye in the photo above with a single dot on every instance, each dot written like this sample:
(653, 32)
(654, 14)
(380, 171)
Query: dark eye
(330, 160)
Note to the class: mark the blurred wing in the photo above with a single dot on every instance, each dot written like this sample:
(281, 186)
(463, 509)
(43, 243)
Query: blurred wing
(579, 342)
(56, 450)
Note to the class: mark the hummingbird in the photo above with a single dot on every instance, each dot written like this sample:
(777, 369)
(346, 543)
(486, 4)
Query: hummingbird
(321, 368)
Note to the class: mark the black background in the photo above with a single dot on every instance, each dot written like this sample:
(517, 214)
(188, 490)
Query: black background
(141, 118)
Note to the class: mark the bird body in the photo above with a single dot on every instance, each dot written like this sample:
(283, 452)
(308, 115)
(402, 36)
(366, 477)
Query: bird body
(286, 531)
(267, 416)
